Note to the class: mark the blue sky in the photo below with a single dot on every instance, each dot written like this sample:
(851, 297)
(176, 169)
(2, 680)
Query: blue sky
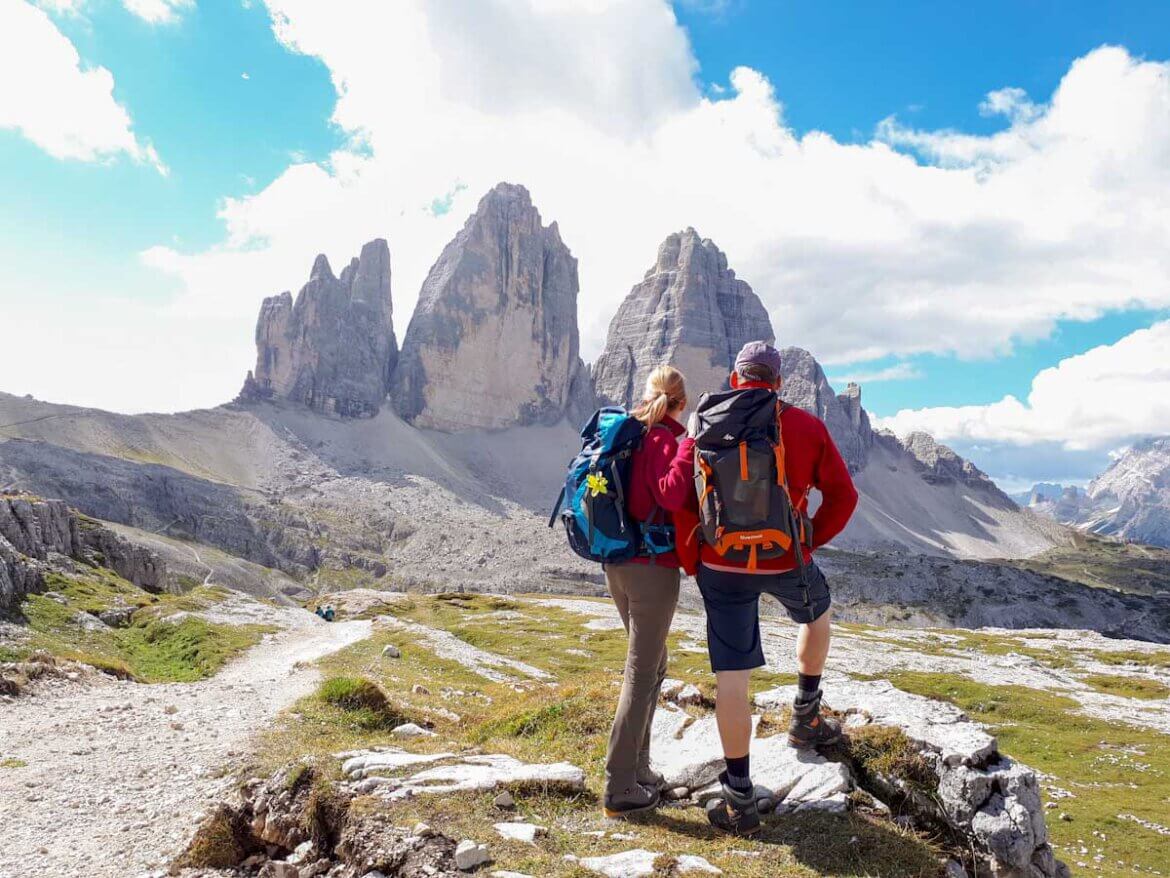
(273, 143)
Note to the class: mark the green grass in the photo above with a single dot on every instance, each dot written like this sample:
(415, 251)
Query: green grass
(1103, 563)
(1129, 687)
(360, 703)
(12, 762)
(1110, 768)
(545, 723)
(154, 648)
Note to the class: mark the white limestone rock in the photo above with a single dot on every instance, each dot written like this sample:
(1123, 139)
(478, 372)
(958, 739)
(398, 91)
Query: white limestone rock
(392, 773)
(691, 756)
(640, 862)
(991, 799)
(525, 832)
(468, 855)
(941, 726)
(412, 730)
(690, 311)
(493, 342)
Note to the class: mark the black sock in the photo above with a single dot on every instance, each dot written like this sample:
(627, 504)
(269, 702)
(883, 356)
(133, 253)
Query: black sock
(807, 686)
(739, 774)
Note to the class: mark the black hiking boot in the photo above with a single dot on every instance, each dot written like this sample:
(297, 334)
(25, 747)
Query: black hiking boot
(809, 728)
(632, 800)
(736, 813)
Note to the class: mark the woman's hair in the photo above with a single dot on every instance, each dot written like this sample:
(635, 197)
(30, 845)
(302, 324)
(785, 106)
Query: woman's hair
(665, 389)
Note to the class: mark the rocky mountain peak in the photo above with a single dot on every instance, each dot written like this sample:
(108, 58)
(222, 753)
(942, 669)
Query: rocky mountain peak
(493, 342)
(689, 310)
(806, 387)
(333, 348)
(942, 465)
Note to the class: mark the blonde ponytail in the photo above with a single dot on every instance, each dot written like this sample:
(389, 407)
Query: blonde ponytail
(665, 389)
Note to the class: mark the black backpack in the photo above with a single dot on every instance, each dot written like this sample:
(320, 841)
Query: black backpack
(745, 511)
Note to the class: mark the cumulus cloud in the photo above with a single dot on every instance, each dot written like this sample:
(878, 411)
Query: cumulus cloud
(66, 109)
(158, 11)
(915, 242)
(896, 372)
(1095, 401)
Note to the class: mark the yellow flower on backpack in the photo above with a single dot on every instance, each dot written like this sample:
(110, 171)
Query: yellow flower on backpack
(596, 484)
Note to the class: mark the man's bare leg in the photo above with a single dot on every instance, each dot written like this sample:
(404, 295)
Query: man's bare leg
(812, 645)
(808, 727)
(733, 714)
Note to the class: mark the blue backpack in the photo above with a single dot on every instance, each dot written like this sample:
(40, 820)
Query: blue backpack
(592, 503)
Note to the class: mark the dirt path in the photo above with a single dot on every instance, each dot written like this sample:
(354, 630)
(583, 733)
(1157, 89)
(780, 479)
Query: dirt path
(114, 777)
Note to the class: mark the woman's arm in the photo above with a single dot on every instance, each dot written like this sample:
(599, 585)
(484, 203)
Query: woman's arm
(672, 470)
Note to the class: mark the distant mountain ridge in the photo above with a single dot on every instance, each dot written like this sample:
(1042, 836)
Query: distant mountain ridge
(326, 457)
(1130, 500)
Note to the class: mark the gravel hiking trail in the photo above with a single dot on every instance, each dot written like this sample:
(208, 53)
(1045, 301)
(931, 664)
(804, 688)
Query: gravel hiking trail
(109, 779)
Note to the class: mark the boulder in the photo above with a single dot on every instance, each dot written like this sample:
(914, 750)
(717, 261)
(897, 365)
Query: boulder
(468, 855)
(392, 773)
(688, 753)
(333, 349)
(640, 862)
(690, 311)
(36, 535)
(805, 386)
(493, 342)
(988, 798)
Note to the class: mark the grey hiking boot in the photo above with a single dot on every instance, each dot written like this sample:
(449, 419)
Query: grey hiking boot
(647, 776)
(809, 728)
(736, 813)
(632, 800)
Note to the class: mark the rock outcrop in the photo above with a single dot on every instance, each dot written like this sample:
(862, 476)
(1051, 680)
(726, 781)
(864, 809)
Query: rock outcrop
(34, 531)
(493, 342)
(942, 466)
(295, 824)
(990, 802)
(333, 349)
(690, 311)
(806, 386)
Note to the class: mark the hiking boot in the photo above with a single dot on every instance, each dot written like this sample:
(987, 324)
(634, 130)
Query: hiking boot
(736, 813)
(647, 776)
(809, 728)
(632, 800)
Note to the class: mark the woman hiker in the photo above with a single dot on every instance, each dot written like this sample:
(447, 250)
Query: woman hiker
(645, 590)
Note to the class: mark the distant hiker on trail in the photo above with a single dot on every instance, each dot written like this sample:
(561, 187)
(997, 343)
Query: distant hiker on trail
(328, 616)
(320, 611)
(645, 589)
(755, 460)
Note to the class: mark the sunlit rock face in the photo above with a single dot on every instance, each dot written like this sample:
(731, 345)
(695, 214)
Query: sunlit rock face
(493, 342)
(689, 311)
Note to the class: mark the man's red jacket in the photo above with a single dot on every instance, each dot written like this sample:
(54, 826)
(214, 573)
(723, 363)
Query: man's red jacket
(812, 460)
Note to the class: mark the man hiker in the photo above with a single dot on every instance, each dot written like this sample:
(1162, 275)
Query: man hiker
(756, 460)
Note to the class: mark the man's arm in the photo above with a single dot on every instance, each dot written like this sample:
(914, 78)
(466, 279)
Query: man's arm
(838, 495)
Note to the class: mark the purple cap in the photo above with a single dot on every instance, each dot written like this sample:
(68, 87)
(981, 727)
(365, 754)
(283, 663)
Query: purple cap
(758, 353)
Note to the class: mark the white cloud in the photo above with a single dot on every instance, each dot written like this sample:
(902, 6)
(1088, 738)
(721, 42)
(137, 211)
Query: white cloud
(152, 11)
(917, 242)
(896, 372)
(49, 97)
(158, 11)
(1097, 400)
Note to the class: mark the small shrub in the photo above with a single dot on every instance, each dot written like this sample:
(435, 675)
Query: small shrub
(364, 703)
(218, 843)
(887, 752)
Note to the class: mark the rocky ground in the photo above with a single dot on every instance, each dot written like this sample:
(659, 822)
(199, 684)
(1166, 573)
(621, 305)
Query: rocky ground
(105, 778)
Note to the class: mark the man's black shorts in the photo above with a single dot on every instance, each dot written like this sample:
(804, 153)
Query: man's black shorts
(732, 601)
